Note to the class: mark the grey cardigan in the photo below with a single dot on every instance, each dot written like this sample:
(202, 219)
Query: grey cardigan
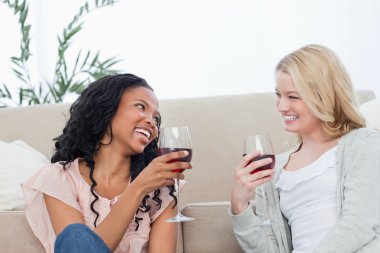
(358, 204)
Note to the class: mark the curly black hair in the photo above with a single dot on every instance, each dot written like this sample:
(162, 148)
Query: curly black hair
(90, 116)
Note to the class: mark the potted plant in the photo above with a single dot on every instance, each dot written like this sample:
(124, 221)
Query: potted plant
(67, 79)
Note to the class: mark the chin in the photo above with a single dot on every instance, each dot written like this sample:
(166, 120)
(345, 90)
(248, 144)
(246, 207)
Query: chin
(290, 129)
(138, 150)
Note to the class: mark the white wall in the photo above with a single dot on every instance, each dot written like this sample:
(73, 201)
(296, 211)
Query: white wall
(187, 48)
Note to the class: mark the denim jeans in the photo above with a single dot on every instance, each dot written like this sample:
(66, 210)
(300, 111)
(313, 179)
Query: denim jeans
(78, 238)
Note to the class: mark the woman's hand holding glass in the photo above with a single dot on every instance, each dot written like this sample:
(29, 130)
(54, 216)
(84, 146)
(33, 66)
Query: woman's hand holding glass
(245, 182)
(161, 172)
(263, 161)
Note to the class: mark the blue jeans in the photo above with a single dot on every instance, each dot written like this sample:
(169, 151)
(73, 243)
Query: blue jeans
(78, 238)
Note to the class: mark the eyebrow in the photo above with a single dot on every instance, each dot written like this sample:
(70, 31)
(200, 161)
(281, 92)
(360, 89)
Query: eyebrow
(288, 92)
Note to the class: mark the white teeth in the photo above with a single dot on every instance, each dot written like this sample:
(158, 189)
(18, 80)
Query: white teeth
(290, 117)
(144, 132)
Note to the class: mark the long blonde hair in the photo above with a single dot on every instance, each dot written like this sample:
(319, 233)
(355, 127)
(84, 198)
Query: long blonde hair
(324, 85)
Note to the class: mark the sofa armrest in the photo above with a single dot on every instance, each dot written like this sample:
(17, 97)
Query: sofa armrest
(211, 231)
(16, 235)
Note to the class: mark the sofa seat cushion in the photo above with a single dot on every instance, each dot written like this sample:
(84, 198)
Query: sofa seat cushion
(16, 235)
(212, 229)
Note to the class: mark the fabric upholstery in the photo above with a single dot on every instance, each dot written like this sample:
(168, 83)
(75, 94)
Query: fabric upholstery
(371, 112)
(16, 235)
(211, 231)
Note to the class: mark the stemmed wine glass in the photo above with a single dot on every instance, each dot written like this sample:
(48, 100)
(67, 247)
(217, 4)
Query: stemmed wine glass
(174, 139)
(263, 144)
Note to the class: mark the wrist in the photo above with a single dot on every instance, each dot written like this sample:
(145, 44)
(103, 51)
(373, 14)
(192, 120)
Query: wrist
(239, 208)
(134, 191)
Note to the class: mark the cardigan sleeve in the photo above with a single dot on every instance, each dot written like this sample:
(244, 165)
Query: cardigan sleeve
(250, 235)
(360, 214)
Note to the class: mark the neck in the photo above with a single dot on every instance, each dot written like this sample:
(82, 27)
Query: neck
(317, 140)
(111, 164)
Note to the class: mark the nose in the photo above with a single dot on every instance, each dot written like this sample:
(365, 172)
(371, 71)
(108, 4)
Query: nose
(151, 121)
(282, 105)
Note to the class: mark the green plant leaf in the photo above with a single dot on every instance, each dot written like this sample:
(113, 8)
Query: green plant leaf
(77, 87)
(67, 79)
(69, 34)
(95, 60)
(85, 60)
(6, 94)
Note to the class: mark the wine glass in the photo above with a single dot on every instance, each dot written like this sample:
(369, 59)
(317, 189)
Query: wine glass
(174, 139)
(263, 144)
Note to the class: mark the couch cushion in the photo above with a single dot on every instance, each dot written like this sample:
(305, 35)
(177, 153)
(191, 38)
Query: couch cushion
(18, 161)
(212, 229)
(371, 112)
(16, 235)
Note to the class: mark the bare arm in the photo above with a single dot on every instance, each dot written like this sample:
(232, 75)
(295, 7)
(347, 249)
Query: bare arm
(111, 230)
(163, 236)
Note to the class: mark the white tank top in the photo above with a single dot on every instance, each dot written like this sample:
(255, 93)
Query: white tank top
(308, 201)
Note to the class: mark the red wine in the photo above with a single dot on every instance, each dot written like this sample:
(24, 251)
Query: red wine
(162, 151)
(265, 167)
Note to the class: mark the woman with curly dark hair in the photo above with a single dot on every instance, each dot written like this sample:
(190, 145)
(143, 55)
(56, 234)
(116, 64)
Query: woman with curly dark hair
(106, 190)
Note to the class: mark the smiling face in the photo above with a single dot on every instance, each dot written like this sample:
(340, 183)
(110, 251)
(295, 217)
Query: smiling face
(297, 116)
(135, 123)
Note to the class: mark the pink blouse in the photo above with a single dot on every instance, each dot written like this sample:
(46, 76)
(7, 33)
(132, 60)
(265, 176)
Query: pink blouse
(69, 187)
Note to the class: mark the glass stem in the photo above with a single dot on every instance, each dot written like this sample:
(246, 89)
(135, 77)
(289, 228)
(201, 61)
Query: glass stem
(177, 190)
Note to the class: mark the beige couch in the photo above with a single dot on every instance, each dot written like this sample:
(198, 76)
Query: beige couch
(218, 126)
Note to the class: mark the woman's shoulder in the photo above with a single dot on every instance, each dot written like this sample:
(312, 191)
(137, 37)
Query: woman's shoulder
(362, 144)
(52, 173)
(362, 132)
(361, 136)
(71, 168)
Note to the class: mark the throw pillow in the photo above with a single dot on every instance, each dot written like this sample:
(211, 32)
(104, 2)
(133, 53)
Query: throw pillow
(18, 161)
(371, 112)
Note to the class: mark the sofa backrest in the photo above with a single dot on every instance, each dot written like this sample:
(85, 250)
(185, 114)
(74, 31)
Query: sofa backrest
(36, 125)
(217, 127)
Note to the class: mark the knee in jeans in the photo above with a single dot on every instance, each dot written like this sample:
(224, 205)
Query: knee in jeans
(75, 227)
(73, 231)
(78, 238)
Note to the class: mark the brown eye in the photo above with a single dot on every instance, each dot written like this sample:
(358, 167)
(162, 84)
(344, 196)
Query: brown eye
(157, 120)
(141, 106)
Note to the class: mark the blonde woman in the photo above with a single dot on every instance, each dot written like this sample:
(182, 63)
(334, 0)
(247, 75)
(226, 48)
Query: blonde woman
(324, 195)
